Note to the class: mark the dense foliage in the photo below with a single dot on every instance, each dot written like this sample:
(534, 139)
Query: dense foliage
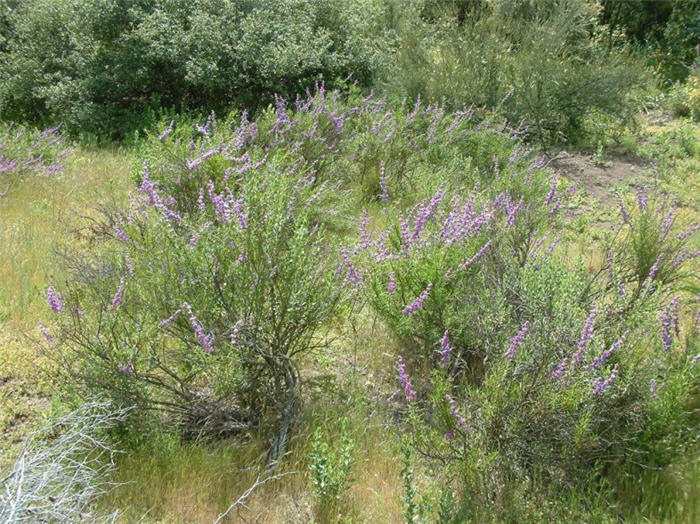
(111, 69)
(201, 302)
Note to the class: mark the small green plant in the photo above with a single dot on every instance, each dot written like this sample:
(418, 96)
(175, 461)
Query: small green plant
(411, 507)
(331, 469)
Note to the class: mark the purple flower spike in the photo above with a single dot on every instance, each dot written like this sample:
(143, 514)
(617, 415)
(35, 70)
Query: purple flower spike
(586, 335)
(453, 408)
(168, 321)
(557, 373)
(405, 383)
(517, 340)
(669, 323)
(45, 332)
(118, 295)
(418, 302)
(600, 385)
(599, 361)
(445, 349)
(391, 287)
(205, 339)
(54, 300)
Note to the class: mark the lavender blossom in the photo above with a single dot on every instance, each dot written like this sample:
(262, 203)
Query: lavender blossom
(384, 197)
(599, 361)
(586, 335)
(669, 323)
(623, 211)
(560, 368)
(205, 339)
(652, 388)
(553, 245)
(353, 274)
(445, 349)
(517, 340)
(453, 408)
(418, 302)
(128, 263)
(405, 382)
(652, 273)
(476, 256)
(167, 132)
(45, 332)
(600, 385)
(54, 299)
(166, 322)
(391, 287)
(118, 295)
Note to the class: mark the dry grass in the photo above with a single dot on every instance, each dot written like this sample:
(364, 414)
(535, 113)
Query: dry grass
(36, 216)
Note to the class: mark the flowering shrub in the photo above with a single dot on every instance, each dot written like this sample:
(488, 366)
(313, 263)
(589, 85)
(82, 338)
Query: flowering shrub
(201, 317)
(517, 363)
(330, 139)
(24, 151)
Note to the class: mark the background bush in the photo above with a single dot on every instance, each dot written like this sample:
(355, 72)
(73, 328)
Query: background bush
(541, 63)
(108, 68)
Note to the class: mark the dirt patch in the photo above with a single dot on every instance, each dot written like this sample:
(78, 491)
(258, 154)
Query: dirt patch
(601, 177)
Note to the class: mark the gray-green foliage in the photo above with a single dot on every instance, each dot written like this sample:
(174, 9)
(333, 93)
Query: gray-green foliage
(107, 67)
(543, 63)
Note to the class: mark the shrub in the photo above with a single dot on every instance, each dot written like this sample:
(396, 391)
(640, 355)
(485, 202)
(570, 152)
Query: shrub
(331, 470)
(201, 318)
(24, 151)
(109, 68)
(518, 365)
(542, 62)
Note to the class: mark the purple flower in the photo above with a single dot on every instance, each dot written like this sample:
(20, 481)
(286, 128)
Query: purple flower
(167, 132)
(121, 235)
(623, 211)
(168, 321)
(453, 408)
(642, 197)
(200, 200)
(384, 197)
(54, 300)
(240, 215)
(599, 361)
(353, 274)
(445, 349)
(652, 272)
(552, 190)
(553, 245)
(600, 385)
(405, 383)
(205, 339)
(517, 340)
(689, 232)
(391, 287)
(652, 387)
(118, 295)
(418, 302)
(586, 335)
(128, 263)
(476, 256)
(669, 323)
(45, 332)
(560, 369)
(126, 368)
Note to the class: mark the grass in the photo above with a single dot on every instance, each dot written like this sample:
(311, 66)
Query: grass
(164, 479)
(36, 217)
